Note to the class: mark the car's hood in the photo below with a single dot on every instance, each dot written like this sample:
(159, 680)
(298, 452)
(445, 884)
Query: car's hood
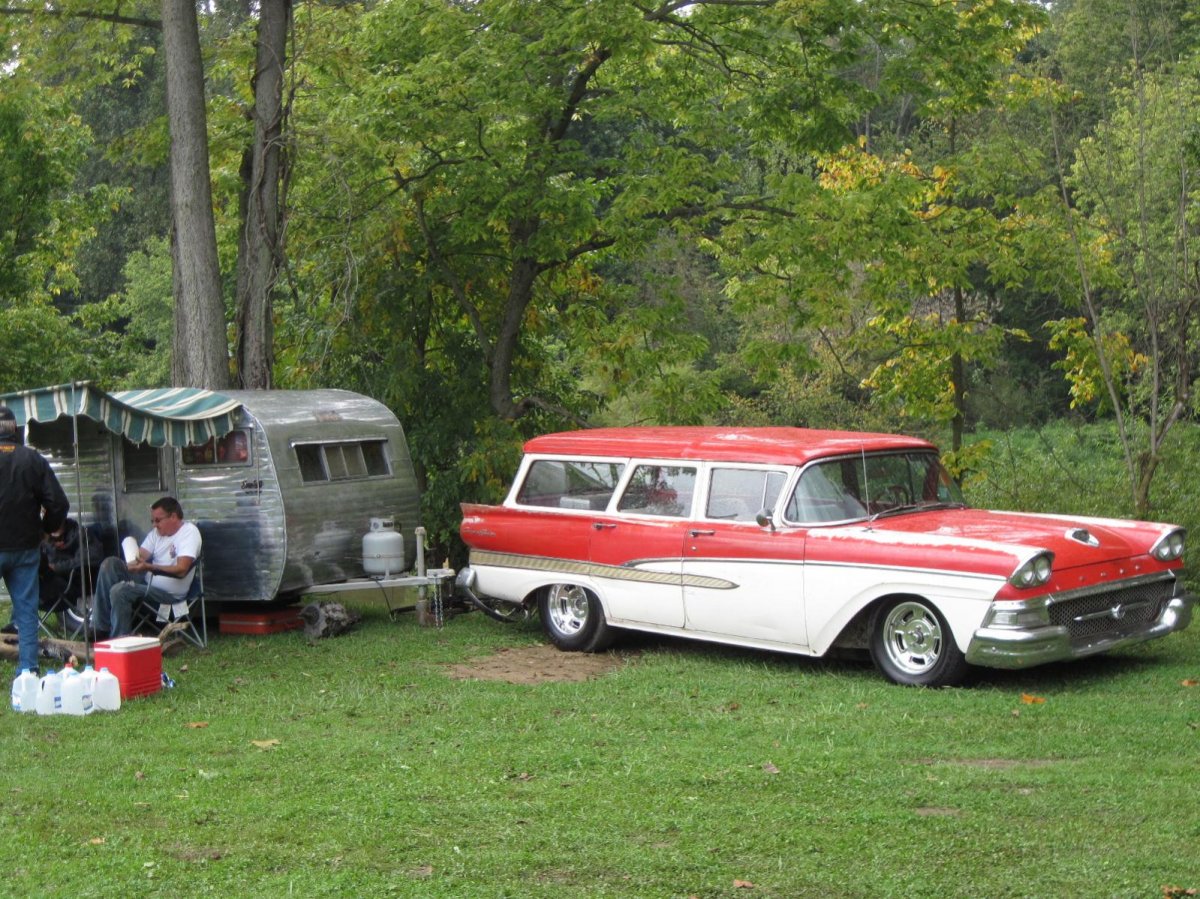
(1073, 540)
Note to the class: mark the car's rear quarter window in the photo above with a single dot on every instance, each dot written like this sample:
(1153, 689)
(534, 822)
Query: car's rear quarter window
(569, 484)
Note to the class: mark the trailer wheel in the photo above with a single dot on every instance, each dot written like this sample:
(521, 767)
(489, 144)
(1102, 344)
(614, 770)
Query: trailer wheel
(573, 619)
(912, 644)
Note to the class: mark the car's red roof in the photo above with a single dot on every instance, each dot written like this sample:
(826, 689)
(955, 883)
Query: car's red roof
(789, 446)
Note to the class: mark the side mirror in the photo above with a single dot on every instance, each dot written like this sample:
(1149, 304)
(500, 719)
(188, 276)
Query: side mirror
(764, 519)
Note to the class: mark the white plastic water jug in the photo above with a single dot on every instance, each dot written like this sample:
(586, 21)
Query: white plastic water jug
(106, 697)
(72, 693)
(25, 691)
(88, 676)
(49, 698)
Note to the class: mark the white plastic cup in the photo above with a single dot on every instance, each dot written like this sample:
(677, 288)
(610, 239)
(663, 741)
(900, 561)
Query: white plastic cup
(25, 691)
(49, 698)
(129, 549)
(106, 697)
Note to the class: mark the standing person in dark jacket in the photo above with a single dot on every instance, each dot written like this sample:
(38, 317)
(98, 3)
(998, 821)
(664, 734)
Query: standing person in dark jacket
(32, 504)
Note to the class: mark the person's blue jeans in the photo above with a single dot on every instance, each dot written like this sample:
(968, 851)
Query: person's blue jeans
(19, 568)
(118, 593)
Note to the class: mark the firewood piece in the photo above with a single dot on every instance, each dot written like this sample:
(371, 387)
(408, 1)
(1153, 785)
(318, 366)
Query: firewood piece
(327, 619)
(57, 651)
(49, 648)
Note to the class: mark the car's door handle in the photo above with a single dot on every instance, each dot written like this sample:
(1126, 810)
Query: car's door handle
(695, 532)
(603, 525)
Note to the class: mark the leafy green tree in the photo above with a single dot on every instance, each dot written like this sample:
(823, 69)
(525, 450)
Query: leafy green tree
(43, 223)
(101, 44)
(128, 335)
(1129, 205)
(616, 121)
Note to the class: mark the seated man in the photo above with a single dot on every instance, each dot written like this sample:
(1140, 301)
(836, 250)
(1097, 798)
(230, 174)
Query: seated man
(65, 552)
(162, 573)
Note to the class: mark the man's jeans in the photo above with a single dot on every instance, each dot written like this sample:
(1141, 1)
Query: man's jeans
(118, 594)
(19, 568)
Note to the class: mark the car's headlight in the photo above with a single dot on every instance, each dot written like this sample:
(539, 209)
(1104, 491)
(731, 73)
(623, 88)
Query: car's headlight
(1033, 573)
(1170, 546)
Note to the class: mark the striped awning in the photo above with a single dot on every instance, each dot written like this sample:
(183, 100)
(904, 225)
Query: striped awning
(170, 416)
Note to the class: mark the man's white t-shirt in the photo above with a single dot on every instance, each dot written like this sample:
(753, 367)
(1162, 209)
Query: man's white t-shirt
(167, 550)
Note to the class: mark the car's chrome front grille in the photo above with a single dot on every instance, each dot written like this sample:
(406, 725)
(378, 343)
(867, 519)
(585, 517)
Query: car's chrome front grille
(1115, 613)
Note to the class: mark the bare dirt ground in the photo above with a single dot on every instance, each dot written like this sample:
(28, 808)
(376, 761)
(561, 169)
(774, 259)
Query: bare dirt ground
(538, 665)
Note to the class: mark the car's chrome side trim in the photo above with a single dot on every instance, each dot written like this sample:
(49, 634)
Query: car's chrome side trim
(630, 571)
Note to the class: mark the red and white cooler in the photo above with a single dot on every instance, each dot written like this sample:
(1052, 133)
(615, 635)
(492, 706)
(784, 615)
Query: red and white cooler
(136, 661)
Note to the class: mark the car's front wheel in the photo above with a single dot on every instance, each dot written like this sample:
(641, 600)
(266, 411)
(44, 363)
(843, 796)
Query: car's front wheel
(573, 618)
(912, 644)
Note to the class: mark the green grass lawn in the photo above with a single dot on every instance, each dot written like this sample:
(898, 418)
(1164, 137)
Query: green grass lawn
(358, 766)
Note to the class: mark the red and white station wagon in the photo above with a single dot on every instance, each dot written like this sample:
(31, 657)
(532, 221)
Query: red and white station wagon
(801, 541)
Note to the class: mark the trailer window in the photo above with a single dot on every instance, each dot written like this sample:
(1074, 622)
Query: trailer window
(143, 471)
(232, 449)
(375, 459)
(312, 467)
(342, 460)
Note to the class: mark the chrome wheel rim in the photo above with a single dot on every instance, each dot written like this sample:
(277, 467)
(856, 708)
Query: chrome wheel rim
(912, 637)
(568, 608)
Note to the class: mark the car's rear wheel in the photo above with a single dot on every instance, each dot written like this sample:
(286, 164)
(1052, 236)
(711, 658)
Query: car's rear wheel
(912, 644)
(573, 618)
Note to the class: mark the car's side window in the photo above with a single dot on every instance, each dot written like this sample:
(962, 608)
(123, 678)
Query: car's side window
(739, 494)
(569, 484)
(659, 490)
(826, 492)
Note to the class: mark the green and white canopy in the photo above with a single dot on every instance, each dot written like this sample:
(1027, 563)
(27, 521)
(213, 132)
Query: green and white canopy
(169, 416)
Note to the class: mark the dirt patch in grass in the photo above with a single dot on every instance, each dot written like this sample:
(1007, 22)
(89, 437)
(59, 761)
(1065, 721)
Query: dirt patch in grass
(537, 664)
(935, 811)
(991, 764)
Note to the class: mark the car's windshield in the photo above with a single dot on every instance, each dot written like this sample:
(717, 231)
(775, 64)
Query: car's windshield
(853, 487)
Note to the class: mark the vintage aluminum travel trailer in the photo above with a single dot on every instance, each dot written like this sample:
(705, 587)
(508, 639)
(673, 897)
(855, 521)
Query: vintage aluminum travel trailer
(283, 484)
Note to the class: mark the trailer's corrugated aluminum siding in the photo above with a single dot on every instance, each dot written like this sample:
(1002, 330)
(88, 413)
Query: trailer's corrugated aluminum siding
(239, 511)
(318, 537)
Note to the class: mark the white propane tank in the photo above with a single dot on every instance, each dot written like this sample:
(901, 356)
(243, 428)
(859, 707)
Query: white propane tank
(383, 548)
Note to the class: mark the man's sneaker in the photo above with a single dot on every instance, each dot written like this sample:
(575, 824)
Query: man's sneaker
(9, 628)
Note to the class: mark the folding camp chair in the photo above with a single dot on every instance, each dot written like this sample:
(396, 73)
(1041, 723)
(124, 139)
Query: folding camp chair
(73, 603)
(188, 609)
(71, 606)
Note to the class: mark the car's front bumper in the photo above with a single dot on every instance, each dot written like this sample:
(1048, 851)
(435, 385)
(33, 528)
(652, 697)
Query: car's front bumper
(1023, 647)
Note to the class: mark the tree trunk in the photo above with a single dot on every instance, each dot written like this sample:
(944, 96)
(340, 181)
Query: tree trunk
(261, 239)
(958, 374)
(201, 352)
(520, 293)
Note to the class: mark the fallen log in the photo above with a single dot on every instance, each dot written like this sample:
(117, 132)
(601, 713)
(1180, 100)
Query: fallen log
(59, 652)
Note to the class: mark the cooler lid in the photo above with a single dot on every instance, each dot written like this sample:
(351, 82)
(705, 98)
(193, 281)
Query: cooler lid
(126, 644)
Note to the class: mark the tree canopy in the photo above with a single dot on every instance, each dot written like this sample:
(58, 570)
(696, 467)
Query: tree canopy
(505, 216)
